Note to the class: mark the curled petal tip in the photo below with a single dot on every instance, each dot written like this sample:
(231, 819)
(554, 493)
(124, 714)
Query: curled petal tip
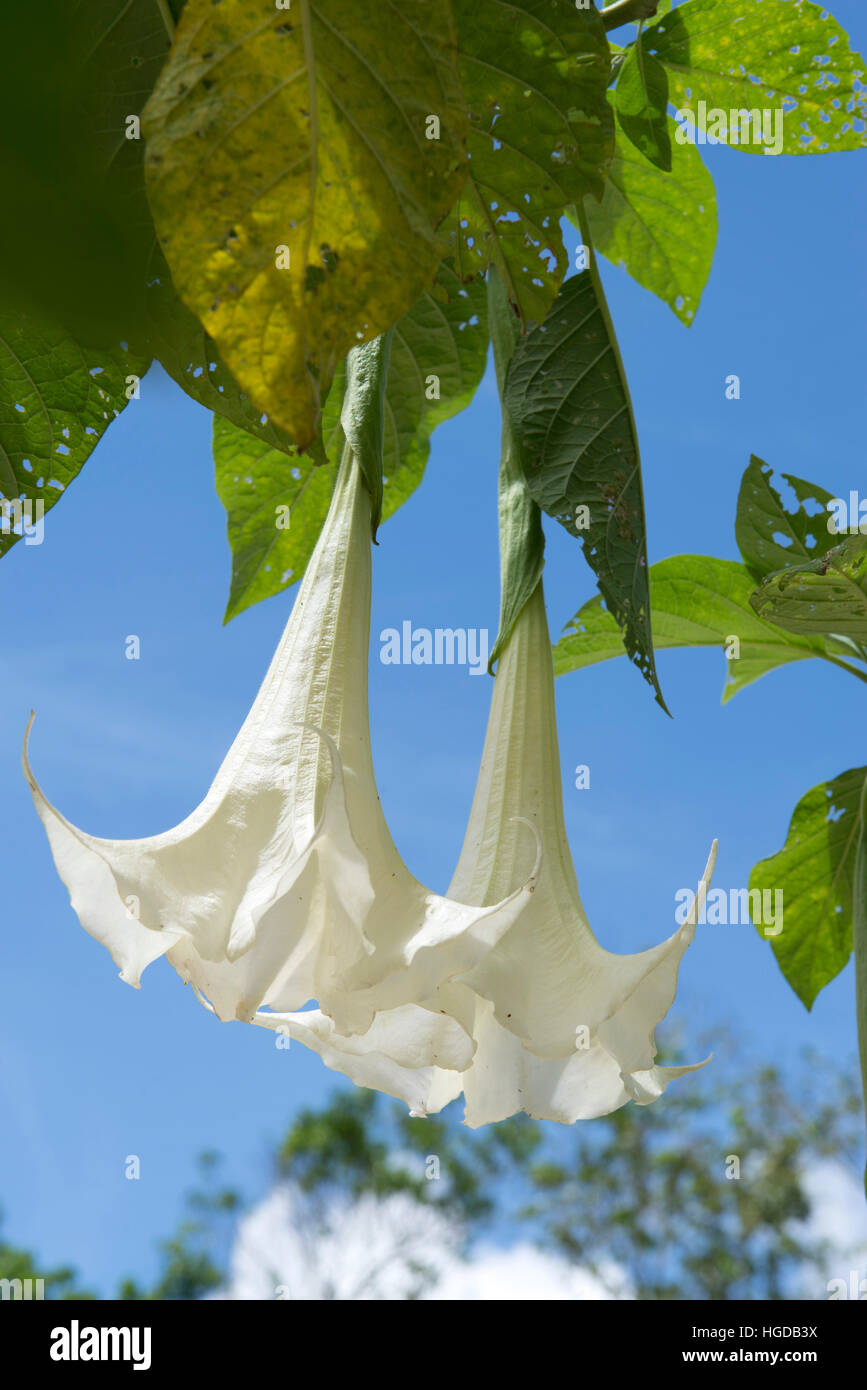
(703, 885)
(24, 748)
(205, 1003)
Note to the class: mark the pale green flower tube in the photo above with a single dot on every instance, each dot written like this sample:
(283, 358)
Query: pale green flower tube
(563, 1028)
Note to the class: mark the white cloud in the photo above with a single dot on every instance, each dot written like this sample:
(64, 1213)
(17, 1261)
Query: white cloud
(838, 1216)
(522, 1272)
(288, 1247)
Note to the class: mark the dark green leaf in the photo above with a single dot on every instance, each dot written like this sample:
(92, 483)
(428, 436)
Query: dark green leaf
(569, 408)
(696, 601)
(73, 80)
(815, 871)
(768, 535)
(57, 398)
(661, 228)
(786, 56)
(642, 106)
(829, 595)
(534, 74)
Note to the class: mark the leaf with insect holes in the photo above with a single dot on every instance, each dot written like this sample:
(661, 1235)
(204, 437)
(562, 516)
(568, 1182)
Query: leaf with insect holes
(815, 872)
(778, 56)
(768, 535)
(293, 183)
(57, 399)
(534, 75)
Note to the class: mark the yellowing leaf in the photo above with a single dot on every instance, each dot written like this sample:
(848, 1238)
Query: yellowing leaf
(299, 163)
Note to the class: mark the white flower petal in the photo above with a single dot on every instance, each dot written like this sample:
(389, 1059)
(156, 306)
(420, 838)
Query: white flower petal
(564, 1029)
(409, 1053)
(284, 886)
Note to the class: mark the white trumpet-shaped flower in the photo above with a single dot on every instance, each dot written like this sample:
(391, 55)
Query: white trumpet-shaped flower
(563, 1028)
(284, 886)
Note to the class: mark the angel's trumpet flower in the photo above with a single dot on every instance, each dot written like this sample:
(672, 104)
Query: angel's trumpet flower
(563, 1028)
(284, 886)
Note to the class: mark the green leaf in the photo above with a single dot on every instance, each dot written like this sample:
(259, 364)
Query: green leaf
(661, 228)
(696, 601)
(534, 74)
(440, 346)
(57, 398)
(72, 80)
(789, 56)
(859, 933)
(306, 131)
(641, 102)
(762, 517)
(827, 596)
(522, 542)
(438, 355)
(815, 870)
(275, 510)
(569, 407)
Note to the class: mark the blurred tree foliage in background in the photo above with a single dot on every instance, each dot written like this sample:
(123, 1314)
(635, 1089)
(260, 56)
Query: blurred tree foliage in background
(648, 1193)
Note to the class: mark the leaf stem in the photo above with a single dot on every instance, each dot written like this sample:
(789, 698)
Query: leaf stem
(166, 17)
(628, 12)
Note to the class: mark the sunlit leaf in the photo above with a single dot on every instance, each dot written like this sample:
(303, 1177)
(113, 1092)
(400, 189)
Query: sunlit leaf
(660, 227)
(786, 56)
(191, 357)
(815, 872)
(299, 163)
(695, 601)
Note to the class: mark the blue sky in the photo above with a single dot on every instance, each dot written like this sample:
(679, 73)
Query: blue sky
(91, 1071)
